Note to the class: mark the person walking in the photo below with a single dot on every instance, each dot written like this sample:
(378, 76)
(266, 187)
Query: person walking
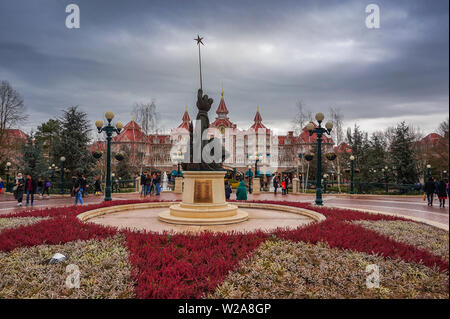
(241, 192)
(78, 190)
(286, 185)
(148, 184)
(142, 182)
(47, 185)
(275, 185)
(19, 188)
(228, 190)
(429, 189)
(436, 186)
(442, 193)
(283, 186)
(30, 189)
(40, 187)
(1, 185)
(446, 187)
(84, 186)
(157, 184)
(98, 186)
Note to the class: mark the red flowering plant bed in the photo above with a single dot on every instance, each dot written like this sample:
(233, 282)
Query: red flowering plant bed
(169, 265)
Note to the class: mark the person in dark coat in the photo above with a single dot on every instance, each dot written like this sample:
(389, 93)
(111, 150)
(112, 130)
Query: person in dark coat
(429, 189)
(442, 193)
(19, 189)
(148, 184)
(228, 190)
(275, 184)
(30, 189)
(47, 185)
(40, 186)
(286, 185)
(241, 192)
(84, 185)
(143, 176)
(98, 186)
(78, 190)
(157, 183)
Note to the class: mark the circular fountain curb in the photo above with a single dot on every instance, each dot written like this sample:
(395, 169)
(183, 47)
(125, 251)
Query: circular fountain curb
(317, 217)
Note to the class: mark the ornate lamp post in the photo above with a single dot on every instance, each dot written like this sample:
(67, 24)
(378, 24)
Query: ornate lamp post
(249, 172)
(352, 172)
(109, 130)
(8, 187)
(385, 173)
(325, 182)
(256, 158)
(62, 159)
(319, 131)
(428, 170)
(53, 168)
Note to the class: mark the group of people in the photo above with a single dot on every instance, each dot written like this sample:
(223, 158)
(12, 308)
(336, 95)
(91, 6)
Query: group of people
(80, 187)
(30, 187)
(241, 191)
(150, 183)
(283, 182)
(440, 188)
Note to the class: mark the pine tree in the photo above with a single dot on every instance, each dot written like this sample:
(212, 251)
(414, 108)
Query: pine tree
(402, 155)
(33, 161)
(73, 142)
(47, 134)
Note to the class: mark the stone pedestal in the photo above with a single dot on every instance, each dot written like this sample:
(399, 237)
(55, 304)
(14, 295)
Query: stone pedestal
(178, 185)
(296, 185)
(256, 184)
(203, 202)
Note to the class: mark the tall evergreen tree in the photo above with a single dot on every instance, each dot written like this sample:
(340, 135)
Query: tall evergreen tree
(47, 134)
(73, 142)
(33, 160)
(402, 155)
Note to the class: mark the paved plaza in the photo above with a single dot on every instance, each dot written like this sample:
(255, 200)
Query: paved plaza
(408, 206)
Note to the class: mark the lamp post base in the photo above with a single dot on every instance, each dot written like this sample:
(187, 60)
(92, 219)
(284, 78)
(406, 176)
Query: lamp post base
(319, 201)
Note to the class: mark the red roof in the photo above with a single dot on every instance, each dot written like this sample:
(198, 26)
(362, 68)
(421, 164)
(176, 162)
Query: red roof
(222, 109)
(223, 119)
(431, 138)
(131, 132)
(185, 120)
(223, 122)
(258, 122)
(343, 148)
(16, 133)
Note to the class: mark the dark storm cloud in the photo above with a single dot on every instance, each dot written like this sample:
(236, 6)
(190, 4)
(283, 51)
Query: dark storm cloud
(266, 53)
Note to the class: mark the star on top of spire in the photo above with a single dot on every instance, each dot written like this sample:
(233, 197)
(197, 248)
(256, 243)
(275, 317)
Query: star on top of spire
(199, 40)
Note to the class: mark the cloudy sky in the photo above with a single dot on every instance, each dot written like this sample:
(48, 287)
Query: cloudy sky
(267, 53)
